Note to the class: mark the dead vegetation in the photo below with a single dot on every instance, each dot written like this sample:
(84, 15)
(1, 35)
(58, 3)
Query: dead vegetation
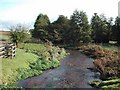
(106, 61)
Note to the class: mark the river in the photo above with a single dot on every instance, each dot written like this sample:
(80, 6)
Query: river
(74, 72)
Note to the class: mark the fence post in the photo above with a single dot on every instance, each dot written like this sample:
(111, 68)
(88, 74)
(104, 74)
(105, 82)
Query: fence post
(2, 51)
(9, 50)
(13, 50)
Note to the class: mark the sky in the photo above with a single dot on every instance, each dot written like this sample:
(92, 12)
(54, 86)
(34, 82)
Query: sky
(13, 12)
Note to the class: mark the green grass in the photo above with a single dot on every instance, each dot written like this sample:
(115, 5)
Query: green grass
(0, 71)
(10, 66)
(32, 46)
(49, 58)
(112, 47)
(31, 60)
(4, 37)
(113, 83)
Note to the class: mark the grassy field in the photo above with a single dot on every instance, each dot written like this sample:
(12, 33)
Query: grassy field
(30, 60)
(24, 57)
(32, 47)
(4, 37)
(9, 66)
(111, 47)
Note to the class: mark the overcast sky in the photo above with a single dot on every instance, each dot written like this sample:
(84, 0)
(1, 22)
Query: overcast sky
(26, 11)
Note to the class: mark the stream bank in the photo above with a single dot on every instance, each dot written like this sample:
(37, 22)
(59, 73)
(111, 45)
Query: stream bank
(75, 71)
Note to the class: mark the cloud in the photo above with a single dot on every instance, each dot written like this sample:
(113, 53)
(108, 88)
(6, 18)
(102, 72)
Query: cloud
(27, 11)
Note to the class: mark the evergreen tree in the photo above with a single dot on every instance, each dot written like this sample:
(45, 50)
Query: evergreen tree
(40, 31)
(58, 29)
(116, 30)
(80, 30)
(101, 29)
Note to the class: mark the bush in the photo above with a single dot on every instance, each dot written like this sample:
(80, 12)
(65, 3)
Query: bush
(106, 61)
(19, 34)
(26, 73)
(49, 58)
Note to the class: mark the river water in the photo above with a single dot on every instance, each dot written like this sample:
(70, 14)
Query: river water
(74, 72)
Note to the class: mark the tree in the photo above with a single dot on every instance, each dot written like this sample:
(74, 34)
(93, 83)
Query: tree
(64, 23)
(40, 25)
(19, 33)
(80, 30)
(116, 30)
(57, 30)
(110, 27)
(101, 29)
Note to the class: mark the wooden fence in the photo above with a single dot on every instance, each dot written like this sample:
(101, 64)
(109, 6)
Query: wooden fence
(8, 50)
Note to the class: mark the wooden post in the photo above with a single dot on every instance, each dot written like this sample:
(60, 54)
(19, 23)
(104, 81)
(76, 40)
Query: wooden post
(2, 51)
(118, 51)
(13, 50)
(8, 51)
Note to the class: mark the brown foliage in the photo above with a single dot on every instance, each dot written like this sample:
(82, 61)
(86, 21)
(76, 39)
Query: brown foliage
(106, 61)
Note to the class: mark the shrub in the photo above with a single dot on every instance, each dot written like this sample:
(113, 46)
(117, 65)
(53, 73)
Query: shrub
(19, 34)
(49, 58)
(106, 61)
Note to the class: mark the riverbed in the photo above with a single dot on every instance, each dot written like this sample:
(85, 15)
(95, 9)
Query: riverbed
(75, 71)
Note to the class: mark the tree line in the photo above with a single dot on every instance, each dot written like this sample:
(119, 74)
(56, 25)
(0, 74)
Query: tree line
(77, 29)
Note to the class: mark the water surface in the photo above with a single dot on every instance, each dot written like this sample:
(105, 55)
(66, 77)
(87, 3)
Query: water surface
(73, 72)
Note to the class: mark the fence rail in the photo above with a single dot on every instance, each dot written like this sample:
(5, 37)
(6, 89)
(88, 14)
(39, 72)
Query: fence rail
(8, 50)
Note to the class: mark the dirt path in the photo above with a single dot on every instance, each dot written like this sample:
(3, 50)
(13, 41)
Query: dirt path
(73, 73)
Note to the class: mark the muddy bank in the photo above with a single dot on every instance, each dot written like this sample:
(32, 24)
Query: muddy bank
(74, 72)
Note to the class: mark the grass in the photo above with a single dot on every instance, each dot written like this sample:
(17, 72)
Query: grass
(111, 47)
(10, 66)
(4, 37)
(31, 60)
(113, 83)
(31, 47)
(49, 58)
(0, 71)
